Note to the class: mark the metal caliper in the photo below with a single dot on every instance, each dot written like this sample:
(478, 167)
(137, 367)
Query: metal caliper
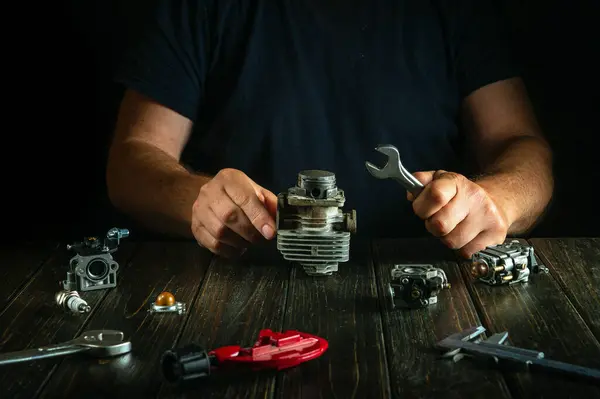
(469, 342)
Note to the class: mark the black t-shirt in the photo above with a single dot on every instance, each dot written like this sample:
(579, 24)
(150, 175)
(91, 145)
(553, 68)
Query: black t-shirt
(274, 87)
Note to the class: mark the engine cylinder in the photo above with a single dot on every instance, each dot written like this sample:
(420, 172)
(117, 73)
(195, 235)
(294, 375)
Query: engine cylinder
(312, 229)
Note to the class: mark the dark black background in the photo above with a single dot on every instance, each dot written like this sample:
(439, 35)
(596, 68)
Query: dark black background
(61, 109)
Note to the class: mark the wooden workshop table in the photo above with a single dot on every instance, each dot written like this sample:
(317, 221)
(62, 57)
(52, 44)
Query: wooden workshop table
(374, 352)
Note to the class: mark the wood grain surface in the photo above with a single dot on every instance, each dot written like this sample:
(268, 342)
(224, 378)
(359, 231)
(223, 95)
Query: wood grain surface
(236, 301)
(18, 263)
(416, 370)
(375, 351)
(344, 309)
(33, 319)
(178, 268)
(538, 316)
(575, 264)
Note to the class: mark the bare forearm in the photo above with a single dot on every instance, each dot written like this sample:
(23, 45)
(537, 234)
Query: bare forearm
(153, 187)
(520, 180)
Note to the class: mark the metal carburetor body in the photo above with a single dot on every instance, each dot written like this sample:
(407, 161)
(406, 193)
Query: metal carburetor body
(312, 228)
(416, 285)
(93, 267)
(507, 263)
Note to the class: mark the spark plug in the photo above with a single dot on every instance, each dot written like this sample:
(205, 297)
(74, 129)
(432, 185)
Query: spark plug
(70, 300)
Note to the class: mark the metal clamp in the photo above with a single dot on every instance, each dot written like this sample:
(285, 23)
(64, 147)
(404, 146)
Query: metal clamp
(178, 307)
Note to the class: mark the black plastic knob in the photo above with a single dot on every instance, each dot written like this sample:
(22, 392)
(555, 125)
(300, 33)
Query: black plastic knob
(187, 363)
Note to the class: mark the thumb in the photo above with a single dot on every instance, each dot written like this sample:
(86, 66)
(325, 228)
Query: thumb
(425, 178)
(268, 199)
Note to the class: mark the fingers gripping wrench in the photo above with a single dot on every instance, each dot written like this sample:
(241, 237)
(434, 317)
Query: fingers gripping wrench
(97, 343)
(394, 169)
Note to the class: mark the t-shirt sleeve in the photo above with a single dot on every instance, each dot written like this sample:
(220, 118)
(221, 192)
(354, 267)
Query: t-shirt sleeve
(483, 45)
(166, 59)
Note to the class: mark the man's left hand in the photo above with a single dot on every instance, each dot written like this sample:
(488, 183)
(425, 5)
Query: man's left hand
(459, 211)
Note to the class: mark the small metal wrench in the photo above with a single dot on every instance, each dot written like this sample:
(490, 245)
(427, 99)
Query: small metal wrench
(394, 169)
(97, 343)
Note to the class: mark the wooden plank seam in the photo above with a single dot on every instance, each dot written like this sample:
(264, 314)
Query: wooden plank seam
(26, 284)
(483, 318)
(288, 291)
(191, 306)
(566, 291)
(385, 339)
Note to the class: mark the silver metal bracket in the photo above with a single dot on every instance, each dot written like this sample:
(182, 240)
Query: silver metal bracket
(178, 308)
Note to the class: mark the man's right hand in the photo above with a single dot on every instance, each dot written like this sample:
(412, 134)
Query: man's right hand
(232, 212)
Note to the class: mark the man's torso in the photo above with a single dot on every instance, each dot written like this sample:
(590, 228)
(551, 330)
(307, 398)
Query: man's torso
(296, 85)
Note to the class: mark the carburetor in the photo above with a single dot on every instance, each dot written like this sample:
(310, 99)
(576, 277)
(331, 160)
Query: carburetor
(93, 267)
(416, 285)
(312, 229)
(507, 263)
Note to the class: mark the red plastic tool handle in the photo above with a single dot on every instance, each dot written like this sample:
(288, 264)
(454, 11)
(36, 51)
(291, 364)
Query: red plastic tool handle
(273, 350)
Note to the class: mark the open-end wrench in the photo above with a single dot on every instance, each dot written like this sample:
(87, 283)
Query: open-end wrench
(97, 343)
(394, 169)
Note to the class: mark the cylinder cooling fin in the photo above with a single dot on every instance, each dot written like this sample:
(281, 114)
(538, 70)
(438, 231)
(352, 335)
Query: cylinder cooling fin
(312, 228)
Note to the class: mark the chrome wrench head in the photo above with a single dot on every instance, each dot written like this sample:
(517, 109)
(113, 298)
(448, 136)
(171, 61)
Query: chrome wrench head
(98, 343)
(394, 169)
(391, 169)
(103, 343)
